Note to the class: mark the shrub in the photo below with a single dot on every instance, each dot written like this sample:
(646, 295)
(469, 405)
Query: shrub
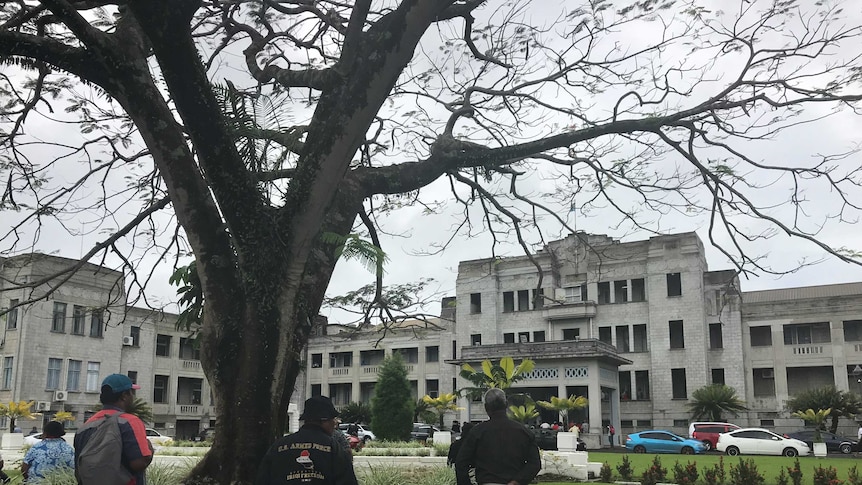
(655, 473)
(685, 475)
(625, 469)
(745, 473)
(782, 478)
(853, 476)
(715, 475)
(826, 476)
(795, 473)
(606, 475)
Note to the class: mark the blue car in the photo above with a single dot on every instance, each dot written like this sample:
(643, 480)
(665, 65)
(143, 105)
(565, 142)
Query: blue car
(662, 442)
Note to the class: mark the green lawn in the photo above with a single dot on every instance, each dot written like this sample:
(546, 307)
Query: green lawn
(768, 466)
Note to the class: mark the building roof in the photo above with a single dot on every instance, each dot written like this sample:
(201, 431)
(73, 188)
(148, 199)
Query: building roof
(803, 293)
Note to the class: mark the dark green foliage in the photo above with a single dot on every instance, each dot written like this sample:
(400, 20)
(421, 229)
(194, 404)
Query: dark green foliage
(853, 477)
(655, 473)
(625, 469)
(606, 474)
(392, 405)
(782, 478)
(842, 403)
(795, 472)
(356, 412)
(715, 475)
(745, 473)
(685, 474)
(826, 476)
(710, 402)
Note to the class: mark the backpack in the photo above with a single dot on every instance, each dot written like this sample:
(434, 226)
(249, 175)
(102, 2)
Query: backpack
(99, 459)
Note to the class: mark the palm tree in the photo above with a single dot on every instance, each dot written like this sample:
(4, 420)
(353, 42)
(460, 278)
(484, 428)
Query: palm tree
(17, 410)
(563, 405)
(139, 408)
(842, 403)
(441, 404)
(356, 412)
(714, 400)
(817, 418)
(501, 375)
(524, 413)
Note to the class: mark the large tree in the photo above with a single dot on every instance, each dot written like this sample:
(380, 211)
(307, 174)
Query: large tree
(392, 404)
(254, 134)
(843, 404)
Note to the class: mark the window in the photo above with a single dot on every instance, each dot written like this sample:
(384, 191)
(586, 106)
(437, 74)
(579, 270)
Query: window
(680, 423)
(677, 335)
(508, 301)
(12, 316)
(79, 316)
(539, 336)
(133, 376)
(853, 330)
(644, 423)
(638, 290)
(807, 333)
(509, 338)
(135, 332)
(625, 385)
(410, 354)
(523, 300)
(345, 359)
(73, 376)
(54, 367)
(767, 423)
(571, 333)
(674, 284)
(605, 335)
(642, 384)
(432, 354)
(623, 338)
(316, 390)
(96, 324)
(316, 360)
(604, 292)
(432, 387)
(538, 298)
(677, 377)
(160, 389)
(93, 383)
(764, 382)
(475, 303)
(524, 337)
(163, 345)
(575, 294)
(718, 376)
(476, 339)
(640, 338)
(368, 357)
(715, 338)
(188, 351)
(621, 291)
(58, 322)
(7, 372)
(761, 336)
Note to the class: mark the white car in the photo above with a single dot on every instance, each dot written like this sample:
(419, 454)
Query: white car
(758, 441)
(158, 439)
(32, 439)
(365, 434)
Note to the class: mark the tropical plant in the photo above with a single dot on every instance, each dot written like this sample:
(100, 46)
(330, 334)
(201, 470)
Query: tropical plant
(501, 375)
(423, 413)
(16, 410)
(842, 403)
(356, 412)
(139, 408)
(442, 404)
(63, 416)
(712, 401)
(816, 418)
(392, 404)
(523, 414)
(563, 405)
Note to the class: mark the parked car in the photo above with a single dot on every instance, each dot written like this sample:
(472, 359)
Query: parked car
(546, 439)
(758, 441)
(365, 434)
(205, 435)
(32, 439)
(158, 439)
(707, 433)
(422, 432)
(833, 442)
(659, 441)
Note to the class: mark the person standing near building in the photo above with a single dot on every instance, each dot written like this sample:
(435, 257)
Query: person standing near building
(50, 453)
(311, 455)
(611, 432)
(135, 451)
(501, 450)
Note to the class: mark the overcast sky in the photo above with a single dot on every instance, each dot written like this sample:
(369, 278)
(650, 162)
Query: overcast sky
(412, 233)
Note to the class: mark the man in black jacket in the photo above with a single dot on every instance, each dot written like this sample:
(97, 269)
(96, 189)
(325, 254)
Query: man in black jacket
(502, 451)
(311, 455)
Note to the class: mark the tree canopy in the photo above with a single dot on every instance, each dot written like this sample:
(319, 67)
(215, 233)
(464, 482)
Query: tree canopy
(841, 403)
(258, 135)
(392, 404)
(714, 401)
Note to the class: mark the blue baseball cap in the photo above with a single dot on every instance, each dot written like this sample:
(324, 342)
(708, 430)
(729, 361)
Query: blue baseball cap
(119, 383)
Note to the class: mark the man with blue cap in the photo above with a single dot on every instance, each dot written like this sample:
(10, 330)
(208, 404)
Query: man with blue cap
(135, 452)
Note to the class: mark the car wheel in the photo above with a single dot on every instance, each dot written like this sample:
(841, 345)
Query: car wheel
(845, 448)
(687, 450)
(366, 439)
(732, 451)
(790, 452)
(639, 449)
(707, 445)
